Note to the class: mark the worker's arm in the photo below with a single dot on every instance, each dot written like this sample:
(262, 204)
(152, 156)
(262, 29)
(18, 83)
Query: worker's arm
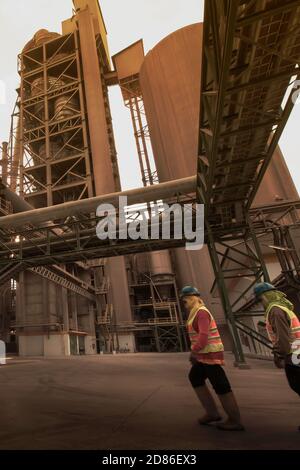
(281, 326)
(201, 324)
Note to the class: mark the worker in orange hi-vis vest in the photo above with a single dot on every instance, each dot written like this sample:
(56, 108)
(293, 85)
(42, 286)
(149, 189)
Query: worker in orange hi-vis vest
(207, 358)
(283, 328)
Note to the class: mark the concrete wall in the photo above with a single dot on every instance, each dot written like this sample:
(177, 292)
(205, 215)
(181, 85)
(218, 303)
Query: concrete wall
(44, 345)
(41, 302)
(5, 308)
(127, 341)
(116, 271)
(90, 345)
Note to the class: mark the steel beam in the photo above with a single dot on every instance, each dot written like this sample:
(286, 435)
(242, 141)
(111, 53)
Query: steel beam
(241, 99)
(73, 208)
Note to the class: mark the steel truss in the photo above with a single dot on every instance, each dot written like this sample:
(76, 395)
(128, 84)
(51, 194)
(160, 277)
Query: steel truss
(159, 318)
(54, 156)
(235, 261)
(75, 239)
(167, 322)
(51, 141)
(133, 100)
(251, 54)
(62, 278)
(239, 258)
(54, 274)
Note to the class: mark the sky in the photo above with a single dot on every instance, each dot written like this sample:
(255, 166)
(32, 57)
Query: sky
(126, 22)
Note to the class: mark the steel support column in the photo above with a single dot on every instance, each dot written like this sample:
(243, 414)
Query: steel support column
(236, 343)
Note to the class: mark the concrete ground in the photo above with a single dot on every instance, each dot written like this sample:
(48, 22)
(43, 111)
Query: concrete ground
(137, 401)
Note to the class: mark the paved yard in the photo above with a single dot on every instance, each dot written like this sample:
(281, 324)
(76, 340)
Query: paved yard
(136, 401)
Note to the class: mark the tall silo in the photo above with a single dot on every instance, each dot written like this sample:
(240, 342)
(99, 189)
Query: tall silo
(170, 81)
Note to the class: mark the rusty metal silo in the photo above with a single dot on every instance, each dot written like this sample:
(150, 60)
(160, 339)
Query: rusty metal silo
(170, 84)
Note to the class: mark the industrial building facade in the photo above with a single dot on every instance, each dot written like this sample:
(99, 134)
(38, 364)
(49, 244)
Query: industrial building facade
(62, 149)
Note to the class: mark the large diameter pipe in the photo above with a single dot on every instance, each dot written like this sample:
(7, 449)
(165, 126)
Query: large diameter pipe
(134, 196)
(18, 203)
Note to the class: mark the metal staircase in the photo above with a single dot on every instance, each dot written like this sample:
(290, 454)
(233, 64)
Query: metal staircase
(63, 281)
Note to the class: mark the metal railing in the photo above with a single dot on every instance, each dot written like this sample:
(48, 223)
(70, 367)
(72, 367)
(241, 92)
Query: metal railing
(254, 343)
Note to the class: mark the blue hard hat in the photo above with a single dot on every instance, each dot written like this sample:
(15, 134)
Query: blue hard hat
(189, 290)
(263, 287)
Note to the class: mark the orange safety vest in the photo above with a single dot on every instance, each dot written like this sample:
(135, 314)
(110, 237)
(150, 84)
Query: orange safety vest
(214, 342)
(294, 326)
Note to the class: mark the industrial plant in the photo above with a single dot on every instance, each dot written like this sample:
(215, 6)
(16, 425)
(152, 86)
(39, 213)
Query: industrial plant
(208, 105)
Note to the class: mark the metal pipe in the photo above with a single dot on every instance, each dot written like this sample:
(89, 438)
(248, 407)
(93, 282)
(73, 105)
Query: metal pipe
(51, 237)
(134, 196)
(18, 203)
(34, 325)
(4, 161)
(17, 151)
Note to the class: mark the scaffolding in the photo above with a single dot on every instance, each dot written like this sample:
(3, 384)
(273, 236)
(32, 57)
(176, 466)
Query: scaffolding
(158, 321)
(55, 162)
(53, 137)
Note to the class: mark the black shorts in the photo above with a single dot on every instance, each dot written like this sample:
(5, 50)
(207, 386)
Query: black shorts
(293, 375)
(214, 373)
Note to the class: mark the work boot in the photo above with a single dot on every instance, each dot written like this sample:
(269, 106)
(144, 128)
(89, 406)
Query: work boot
(231, 408)
(228, 426)
(208, 404)
(206, 419)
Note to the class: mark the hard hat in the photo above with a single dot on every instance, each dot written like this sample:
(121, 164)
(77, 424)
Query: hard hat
(263, 287)
(188, 291)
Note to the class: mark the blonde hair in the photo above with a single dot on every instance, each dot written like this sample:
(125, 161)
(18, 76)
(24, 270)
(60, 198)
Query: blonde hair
(200, 300)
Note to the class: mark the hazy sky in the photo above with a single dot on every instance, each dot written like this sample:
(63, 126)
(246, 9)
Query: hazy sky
(126, 22)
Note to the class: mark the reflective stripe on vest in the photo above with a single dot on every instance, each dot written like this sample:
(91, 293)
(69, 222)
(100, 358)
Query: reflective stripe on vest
(294, 325)
(214, 342)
